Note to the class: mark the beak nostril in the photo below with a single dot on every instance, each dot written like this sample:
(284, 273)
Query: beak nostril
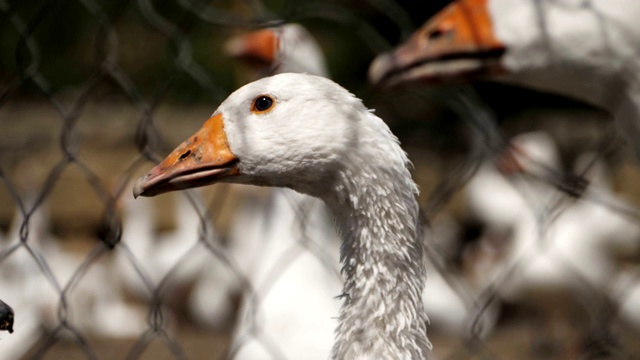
(436, 34)
(184, 155)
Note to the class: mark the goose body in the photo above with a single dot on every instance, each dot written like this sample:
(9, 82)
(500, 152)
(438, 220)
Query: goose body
(309, 134)
(290, 309)
(584, 50)
(162, 256)
(21, 282)
(558, 245)
(625, 293)
(37, 298)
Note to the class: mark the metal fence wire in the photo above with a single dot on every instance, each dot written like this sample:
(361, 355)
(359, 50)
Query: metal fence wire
(529, 200)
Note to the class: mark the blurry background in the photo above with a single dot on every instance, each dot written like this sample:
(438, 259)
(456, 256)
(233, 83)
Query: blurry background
(93, 92)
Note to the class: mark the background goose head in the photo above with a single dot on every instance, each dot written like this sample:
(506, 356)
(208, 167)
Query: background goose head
(288, 130)
(278, 49)
(584, 50)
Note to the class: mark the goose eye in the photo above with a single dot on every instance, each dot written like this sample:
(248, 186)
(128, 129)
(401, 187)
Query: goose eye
(262, 104)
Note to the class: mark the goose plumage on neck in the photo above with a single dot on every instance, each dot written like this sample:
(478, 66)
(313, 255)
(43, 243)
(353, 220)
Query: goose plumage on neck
(319, 139)
(377, 223)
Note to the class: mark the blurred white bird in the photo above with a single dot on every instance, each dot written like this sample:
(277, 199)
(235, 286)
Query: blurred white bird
(451, 299)
(625, 294)
(34, 280)
(562, 250)
(174, 259)
(586, 50)
(276, 50)
(286, 245)
(290, 309)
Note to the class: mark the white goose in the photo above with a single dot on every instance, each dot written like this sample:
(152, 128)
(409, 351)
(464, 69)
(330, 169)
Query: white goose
(285, 244)
(21, 284)
(311, 135)
(587, 50)
(163, 257)
(290, 310)
(94, 305)
(452, 300)
(280, 49)
(291, 48)
(625, 293)
(562, 252)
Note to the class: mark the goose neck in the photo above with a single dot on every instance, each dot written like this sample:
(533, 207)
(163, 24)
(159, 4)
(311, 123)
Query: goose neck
(382, 314)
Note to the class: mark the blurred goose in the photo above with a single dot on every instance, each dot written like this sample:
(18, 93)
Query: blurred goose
(290, 309)
(522, 243)
(453, 301)
(309, 134)
(163, 256)
(20, 283)
(280, 49)
(625, 293)
(94, 304)
(587, 50)
(495, 195)
(285, 241)
(562, 250)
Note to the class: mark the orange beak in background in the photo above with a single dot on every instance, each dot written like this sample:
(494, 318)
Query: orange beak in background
(203, 159)
(259, 46)
(457, 41)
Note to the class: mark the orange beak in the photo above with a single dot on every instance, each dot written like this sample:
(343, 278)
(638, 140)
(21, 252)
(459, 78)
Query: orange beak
(457, 41)
(259, 46)
(203, 159)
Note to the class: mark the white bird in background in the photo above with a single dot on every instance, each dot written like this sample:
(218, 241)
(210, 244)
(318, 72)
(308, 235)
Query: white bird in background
(577, 246)
(523, 175)
(137, 236)
(560, 248)
(510, 185)
(498, 196)
(20, 286)
(309, 134)
(616, 233)
(586, 50)
(94, 305)
(276, 50)
(625, 294)
(615, 229)
(177, 257)
(290, 310)
(451, 298)
(284, 243)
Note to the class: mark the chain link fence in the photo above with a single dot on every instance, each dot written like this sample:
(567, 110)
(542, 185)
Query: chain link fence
(530, 200)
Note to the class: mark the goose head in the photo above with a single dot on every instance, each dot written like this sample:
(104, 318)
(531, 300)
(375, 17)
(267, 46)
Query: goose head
(584, 50)
(279, 49)
(457, 42)
(288, 130)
